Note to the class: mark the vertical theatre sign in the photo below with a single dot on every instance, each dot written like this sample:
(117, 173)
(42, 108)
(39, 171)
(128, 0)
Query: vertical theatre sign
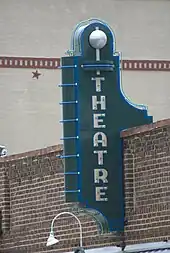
(95, 110)
(99, 140)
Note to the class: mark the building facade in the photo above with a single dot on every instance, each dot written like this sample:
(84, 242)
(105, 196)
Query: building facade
(32, 194)
(29, 107)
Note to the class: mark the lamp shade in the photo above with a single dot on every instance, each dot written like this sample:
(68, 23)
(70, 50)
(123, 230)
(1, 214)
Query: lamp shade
(51, 240)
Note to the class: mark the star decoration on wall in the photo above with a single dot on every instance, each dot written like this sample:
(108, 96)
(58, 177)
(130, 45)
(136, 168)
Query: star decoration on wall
(36, 74)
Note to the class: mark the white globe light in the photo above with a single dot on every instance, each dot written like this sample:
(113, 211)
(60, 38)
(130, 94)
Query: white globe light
(98, 39)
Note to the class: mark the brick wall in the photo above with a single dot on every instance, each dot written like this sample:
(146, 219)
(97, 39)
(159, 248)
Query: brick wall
(32, 193)
(4, 199)
(147, 182)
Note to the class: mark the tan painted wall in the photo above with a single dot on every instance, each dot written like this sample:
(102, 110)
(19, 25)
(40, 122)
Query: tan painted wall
(29, 110)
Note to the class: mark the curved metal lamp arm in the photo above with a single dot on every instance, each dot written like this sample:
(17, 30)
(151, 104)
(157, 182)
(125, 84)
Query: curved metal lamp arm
(73, 215)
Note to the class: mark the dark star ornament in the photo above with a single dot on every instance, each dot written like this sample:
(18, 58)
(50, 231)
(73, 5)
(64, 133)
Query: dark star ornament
(36, 74)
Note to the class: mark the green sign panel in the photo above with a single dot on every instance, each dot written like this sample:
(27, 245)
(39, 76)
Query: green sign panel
(95, 110)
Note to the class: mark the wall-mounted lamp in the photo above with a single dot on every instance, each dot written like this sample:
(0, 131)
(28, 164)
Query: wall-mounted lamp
(52, 240)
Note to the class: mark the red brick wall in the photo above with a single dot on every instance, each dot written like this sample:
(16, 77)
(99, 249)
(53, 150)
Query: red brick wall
(147, 182)
(36, 183)
(32, 193)
(4, 199)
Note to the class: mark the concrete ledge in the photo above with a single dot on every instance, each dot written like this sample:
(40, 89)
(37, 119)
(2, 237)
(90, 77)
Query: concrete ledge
(144, 128)
(37, 152)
